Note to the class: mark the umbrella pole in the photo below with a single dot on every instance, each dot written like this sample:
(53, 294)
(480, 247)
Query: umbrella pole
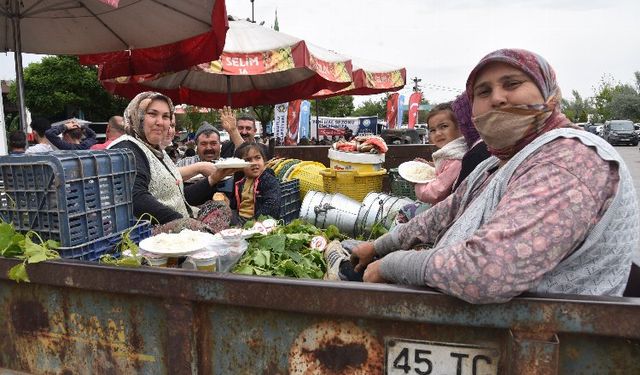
(317, 110)
(229, 91)
(17, 56)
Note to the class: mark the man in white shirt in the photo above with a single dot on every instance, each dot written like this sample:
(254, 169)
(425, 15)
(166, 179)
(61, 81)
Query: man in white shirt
(40, 125)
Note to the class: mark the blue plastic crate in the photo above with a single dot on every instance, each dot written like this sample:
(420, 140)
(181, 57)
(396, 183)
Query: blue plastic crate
(72, 197)
(290, 201)
(93, 250)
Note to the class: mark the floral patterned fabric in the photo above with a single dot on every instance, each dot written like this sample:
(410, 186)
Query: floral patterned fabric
(213, 217)
(553, 200)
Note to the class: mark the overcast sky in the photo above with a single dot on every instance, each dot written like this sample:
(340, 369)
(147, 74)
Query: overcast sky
(440, 41)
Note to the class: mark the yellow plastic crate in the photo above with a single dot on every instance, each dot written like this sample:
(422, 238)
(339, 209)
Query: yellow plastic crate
(281, 164)
(354, 184)
(308, 172)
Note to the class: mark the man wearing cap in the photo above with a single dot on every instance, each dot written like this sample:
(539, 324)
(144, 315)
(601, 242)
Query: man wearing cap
(207, 146)
(241, 130)
(207, 150)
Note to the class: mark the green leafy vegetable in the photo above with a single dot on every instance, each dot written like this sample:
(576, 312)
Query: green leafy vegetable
(284, 252)
(17, 245)
(126, 243)
(19, 273)
(333, 233)
(377, 230)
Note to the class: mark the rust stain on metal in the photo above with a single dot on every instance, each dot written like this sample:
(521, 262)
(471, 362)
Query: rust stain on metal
(336, 348)
(272, 369)
(534, 352)
(336, 355)
(82, 343)
(29, 317)
(179, 358)
(204, 340)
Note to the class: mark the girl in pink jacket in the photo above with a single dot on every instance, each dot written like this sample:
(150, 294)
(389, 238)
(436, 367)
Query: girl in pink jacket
(445, 135)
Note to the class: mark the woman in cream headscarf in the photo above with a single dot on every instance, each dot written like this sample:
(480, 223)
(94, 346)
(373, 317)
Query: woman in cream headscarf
(553, 210)
(158, 189)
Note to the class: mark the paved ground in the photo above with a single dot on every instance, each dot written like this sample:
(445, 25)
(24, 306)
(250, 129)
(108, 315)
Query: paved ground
(631, 156)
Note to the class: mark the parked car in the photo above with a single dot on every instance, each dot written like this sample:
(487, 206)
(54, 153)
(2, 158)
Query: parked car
(583, 125)
(619, 131)
(592, 128)
(599, 129)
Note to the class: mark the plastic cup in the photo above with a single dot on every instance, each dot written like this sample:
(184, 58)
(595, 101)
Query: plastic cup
(154, 260)
(157, 262)
(202, 261)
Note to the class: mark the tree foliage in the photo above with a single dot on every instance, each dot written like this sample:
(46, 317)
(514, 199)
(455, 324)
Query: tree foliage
(58, 87)
(193, 118)
(614, 100)
(578, 109)
(611, 101)
(372, 107)
(337, 106)
(264, 114)
(626, 105)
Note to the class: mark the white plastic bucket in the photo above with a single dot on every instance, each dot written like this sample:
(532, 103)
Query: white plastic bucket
(379, 207)
(355, 161)
(342, 212)
(313, 200)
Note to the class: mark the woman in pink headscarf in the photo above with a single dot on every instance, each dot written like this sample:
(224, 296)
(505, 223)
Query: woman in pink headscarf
(553, 210)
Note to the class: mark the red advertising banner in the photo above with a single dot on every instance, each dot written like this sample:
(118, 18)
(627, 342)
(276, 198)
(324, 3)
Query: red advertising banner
(414, 105)
(293, 121)
(392, 110)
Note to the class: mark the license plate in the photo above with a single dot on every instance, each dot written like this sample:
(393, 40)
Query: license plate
(426, 357)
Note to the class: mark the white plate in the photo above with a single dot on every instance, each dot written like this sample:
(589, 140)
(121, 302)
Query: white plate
(402, 170)
(247, 233)
(195, 178)
(223, 165)
(171, 244)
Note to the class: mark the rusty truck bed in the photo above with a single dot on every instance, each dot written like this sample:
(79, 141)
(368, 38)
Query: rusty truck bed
(83, 318)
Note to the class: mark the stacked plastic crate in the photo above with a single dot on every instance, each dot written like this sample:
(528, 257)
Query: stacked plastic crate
(82, 199)
(290, 201)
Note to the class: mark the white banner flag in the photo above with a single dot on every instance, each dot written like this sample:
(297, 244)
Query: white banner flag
(280, 121)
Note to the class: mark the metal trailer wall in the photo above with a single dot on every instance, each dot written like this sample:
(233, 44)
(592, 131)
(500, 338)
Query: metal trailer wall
(82, 318)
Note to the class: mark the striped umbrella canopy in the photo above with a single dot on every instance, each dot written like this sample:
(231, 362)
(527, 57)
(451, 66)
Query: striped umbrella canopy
(133, 36)
(369, 77)
(258, 66)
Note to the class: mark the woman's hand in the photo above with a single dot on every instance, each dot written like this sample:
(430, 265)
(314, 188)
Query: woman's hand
(228, 119)
(206, 168)
(421, 160)
(362, 255)
(220, 173)
(372, 273)
(217, 174)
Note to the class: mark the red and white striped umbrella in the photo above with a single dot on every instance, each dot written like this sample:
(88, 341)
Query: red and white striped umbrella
(369, 77)
(257, 66)
(133, 36)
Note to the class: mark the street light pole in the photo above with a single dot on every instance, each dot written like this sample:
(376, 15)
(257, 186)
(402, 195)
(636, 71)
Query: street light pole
(253, 19)
(416, 80)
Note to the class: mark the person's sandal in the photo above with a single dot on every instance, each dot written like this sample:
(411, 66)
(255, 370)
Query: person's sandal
(334, 254)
